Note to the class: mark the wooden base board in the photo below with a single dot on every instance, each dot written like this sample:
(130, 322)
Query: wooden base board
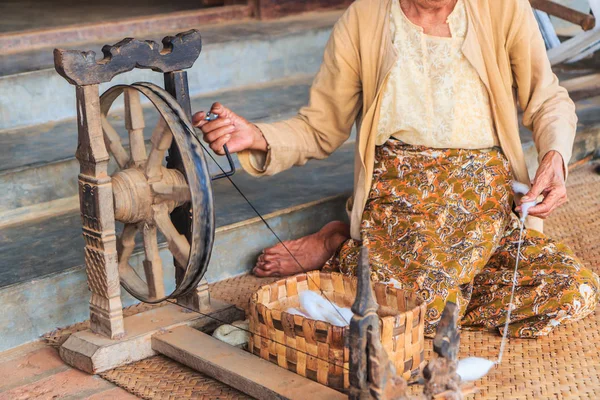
(238, 368)
(93, 353)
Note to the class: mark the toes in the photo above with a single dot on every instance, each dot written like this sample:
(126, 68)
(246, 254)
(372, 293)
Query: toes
(271, 258)
(259, 271)
(263, 273)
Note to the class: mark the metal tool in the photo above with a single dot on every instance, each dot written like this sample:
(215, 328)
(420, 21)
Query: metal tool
(212, 117)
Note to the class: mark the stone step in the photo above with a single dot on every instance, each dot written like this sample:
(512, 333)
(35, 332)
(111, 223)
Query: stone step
(54, 244)
(42, 278)
(233, 55)
(38, 170)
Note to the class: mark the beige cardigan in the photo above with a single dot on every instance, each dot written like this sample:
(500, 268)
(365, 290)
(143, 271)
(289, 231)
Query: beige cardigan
(504, 45)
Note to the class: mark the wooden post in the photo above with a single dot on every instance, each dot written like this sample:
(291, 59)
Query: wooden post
(176, 84)
(97, 215)
(441, 379)
(372, 375)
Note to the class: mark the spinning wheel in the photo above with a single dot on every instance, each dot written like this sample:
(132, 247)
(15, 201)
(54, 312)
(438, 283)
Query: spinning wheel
(149, 198)
(145, 192)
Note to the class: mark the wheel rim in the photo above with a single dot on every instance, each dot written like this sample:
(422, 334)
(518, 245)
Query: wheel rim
(141, 176)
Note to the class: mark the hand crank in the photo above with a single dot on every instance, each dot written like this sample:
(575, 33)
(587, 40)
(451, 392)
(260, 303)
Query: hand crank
(211, 117)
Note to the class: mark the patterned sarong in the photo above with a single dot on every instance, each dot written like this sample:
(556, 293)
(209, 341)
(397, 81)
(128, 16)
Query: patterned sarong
(439, 221)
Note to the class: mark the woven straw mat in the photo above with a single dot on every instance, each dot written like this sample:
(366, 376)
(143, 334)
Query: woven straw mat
(565, 365)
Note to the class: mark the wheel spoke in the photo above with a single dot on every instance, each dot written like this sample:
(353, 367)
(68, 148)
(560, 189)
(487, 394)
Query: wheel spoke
(113, 142)
(152, 263)
(178, 244)
(161, 141)
(134, 122)
(125, 245)
(178, 193)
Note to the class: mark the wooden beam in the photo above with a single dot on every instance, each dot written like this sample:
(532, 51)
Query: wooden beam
(238, 368)
(585, 21)
(583, 87)
(576, 47)
(271, 9)
(176, 53)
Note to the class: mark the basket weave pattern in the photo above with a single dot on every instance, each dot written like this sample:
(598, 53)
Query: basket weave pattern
(319, 350)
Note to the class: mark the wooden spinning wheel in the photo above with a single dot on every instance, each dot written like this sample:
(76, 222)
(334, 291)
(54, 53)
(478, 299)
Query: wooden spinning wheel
(145, 192)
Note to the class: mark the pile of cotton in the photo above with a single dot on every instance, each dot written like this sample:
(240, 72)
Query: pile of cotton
(315, 306)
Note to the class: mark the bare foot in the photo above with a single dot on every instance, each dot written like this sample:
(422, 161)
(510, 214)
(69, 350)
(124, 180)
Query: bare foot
(311, 252)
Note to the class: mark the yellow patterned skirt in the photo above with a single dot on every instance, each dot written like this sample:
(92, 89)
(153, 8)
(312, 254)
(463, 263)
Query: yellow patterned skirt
(440, 222)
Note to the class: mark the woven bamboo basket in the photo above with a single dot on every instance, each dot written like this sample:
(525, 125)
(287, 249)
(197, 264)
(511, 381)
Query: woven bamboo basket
(319, 350)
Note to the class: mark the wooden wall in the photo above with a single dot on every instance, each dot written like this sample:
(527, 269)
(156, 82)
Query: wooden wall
(270, 9)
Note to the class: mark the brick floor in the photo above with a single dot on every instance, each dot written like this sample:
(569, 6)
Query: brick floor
(35, 371)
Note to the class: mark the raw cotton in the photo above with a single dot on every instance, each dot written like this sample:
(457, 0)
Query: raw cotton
(315, 306)
(236, 334)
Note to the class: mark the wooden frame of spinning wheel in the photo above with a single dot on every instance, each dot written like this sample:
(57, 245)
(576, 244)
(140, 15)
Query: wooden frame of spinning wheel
(143, 194)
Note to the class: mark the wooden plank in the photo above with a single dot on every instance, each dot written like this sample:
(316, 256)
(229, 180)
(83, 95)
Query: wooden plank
(586, 82)
(548, 32)
(583, 87)
(578, 45)
(238, 368)
(270, 9)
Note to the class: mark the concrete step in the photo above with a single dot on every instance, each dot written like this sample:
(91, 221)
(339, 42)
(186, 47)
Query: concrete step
(42, 277)
(54, 244)
(38, 170)
(233, 55)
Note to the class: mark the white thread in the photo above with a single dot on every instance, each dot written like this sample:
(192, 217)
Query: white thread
(512, 295)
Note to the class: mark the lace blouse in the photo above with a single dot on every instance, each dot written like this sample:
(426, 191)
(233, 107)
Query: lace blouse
(433, 96)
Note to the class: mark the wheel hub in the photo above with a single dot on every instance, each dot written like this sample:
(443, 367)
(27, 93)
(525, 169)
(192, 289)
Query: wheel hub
(134, 195)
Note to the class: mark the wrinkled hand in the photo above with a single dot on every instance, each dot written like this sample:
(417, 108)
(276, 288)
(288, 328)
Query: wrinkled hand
(229, 129)
(550, 182)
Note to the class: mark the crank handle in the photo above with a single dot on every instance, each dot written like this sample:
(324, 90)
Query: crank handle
(211, 117)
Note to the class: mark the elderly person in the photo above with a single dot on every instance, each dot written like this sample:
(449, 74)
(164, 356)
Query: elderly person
(432, 86)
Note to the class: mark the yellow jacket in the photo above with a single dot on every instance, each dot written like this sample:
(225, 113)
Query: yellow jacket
(504, 45)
